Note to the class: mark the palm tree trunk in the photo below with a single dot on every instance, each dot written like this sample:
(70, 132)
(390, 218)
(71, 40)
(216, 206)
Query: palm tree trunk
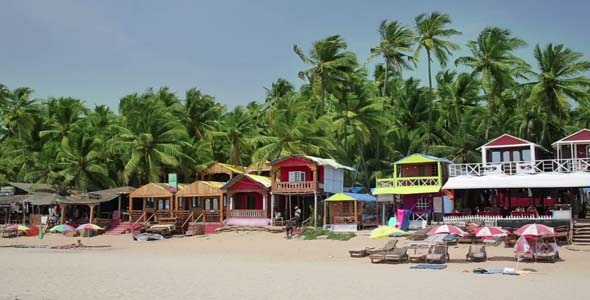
(385, 81)
(429, 102)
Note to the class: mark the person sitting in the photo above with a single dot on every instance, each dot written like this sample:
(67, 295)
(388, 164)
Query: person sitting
(545, 248)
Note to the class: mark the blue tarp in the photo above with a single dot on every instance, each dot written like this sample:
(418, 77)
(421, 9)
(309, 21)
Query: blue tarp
(362, 197)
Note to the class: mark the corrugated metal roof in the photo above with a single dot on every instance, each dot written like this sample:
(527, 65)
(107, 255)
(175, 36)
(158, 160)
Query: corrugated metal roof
(419, 157)
(351, 197)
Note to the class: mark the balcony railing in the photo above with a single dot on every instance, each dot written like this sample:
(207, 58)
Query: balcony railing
(247, 213)
(294, 187)
(521, 167)
(408, 181)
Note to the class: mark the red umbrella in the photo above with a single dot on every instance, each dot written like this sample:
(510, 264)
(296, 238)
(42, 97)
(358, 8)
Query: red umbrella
(534, 230)
(489, 232)
(446, 229)
(522, 246)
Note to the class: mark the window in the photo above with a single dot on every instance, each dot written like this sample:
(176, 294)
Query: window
(207, 204)
(346, 207)
(149, 203)
(526, 155)
(164, 205)
(516, 155)
(195, 202)
(496, 156)
(423, 204)
(506, 156)
(421, 171)
(434, 170)
(215, 203)
(296, 176)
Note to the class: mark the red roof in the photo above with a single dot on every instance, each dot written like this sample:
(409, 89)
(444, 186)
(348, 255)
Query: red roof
(580, 136)
(507, 140)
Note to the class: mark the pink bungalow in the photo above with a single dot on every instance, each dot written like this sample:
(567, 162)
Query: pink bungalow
(302, 180)
(249, 197)
(574, 146)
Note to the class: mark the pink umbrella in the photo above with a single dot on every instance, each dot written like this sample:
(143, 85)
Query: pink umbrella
(522, 246)
(534, 230)
(489, 232)
(446, 229)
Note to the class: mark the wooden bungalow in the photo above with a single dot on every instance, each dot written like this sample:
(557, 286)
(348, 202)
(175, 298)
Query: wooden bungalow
(248, 196)
(204, 197)
(416, 183)
(350, 211)
(152, 201)
(220, 172)
(575, 146)
(304, 179)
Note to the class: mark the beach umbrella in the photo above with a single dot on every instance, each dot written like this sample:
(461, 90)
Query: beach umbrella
(385, 231)
(487, 232)
(17, 227)
(62, 228)
(446, 229)
(520, 248)
(89, 226)
(534, 230)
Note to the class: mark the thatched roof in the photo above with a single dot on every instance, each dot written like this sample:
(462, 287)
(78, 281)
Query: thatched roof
(256, 167)
(32, 187)
(152, 190)
(114, 192)
(12, 199)
(221, 168)
(202, 188)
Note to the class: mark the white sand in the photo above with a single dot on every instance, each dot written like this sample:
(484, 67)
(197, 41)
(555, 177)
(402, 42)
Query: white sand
(258, 265)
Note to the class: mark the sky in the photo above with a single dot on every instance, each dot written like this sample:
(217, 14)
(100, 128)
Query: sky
(100, 51)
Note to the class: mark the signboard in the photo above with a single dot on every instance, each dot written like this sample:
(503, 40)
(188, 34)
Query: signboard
(172, 183)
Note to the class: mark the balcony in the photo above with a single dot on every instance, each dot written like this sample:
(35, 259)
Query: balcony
(521, 167)
(294, 187)
(408, 185)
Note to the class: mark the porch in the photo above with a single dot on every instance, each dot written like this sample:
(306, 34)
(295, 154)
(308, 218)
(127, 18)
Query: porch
(521, 167)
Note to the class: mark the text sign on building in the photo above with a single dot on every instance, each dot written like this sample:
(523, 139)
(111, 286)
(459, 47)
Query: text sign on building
(172, 182)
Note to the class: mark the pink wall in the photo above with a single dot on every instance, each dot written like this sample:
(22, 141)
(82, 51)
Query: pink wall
(240, 200)
(246, 184)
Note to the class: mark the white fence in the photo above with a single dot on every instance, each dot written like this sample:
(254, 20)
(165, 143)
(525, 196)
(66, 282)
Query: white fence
(521, 167)
(492, 220)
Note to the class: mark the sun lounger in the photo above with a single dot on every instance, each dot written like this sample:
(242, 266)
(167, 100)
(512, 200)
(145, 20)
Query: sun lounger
(550, 254)
(429, 241)
(420, 234)
(438, 254)
(360, 252)
(418, 254)
(389, 246)
(451, 239)
(397, 255)
(476, 253)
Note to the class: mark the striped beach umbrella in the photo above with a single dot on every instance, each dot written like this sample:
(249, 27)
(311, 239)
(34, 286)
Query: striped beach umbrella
(89, 226)
(534, 230)
(487, 232)
(62, 228)
(446, 229)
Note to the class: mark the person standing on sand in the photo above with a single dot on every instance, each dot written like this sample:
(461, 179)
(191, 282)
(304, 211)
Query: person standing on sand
(297, 217)
(289, 229)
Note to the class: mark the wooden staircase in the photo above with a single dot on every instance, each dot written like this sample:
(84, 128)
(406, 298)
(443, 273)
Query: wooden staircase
(581, 234)
(123, 227)
(211, 228)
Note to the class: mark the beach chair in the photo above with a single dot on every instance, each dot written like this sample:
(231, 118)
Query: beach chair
(547, 252)
(378, 255)
(360, 252)
(476, 253)
(418, 254)
(389, 246)
(438, 254)
(397, 255)
(420, 234)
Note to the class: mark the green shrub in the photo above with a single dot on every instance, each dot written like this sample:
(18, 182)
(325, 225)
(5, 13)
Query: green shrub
(312, 233)
(341, 236)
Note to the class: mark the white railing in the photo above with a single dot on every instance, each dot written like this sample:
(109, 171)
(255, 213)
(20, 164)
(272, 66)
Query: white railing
(418, 181)
(521, 167)
(491, 220)
(246, 213)
(294, 185)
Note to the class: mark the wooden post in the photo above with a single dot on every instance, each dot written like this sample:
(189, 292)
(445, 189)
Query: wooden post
(130, 203)
(63, 213)
(315, 208)
(356, 217)
(119, 207)
(325, 212)
(221, 208)
(272, 211)
(91, 213)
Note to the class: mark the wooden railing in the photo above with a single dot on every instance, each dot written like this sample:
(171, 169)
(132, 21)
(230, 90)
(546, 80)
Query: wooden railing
(521, 167)
(247, 213)
(143, 218)
(200, 217)
(190, 217)
(408, 181)
(294, 186)
(136, 215)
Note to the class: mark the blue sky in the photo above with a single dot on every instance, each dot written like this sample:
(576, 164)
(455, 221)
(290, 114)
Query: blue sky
(99, 51)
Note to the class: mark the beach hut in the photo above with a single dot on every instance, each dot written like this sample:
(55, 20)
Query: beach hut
(152, 201)
(416, 187)
(203, 198)
(301, 180)
(248, 196)
(349, 211)
(575, 146)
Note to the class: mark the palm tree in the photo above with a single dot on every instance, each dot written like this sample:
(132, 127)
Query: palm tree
(396, 41)
(236, 128)
(432, 31)
(560, 77)
(330, 64)
(492, 58)
(199, 111)
(64, 114)
(295, 130)
(457, 93)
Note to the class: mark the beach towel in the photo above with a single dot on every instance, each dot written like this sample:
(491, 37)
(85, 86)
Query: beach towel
(428, 267)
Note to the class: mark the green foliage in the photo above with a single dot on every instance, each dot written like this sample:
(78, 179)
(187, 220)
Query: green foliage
(341, 236)
(312, 233)
(338, 112)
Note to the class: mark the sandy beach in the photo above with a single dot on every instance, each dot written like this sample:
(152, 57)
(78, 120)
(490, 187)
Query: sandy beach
(256, 265)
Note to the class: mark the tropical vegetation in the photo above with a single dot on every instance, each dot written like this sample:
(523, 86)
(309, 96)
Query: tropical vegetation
(365, 114)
